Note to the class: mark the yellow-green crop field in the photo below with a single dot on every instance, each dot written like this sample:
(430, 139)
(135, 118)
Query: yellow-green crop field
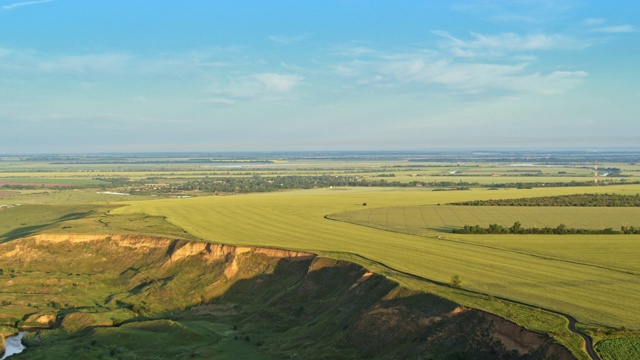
(594, 278)
(426, 219)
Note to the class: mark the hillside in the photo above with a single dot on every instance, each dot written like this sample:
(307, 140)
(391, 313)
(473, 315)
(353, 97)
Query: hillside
(124, 296)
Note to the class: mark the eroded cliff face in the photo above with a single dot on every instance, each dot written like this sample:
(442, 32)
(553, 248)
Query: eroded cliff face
(290, 304)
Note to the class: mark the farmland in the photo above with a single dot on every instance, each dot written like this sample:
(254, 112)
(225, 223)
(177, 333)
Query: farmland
(401, 229)
(296, 220)
(427, 219)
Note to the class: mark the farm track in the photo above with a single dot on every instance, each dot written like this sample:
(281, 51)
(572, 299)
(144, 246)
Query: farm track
(588, 342)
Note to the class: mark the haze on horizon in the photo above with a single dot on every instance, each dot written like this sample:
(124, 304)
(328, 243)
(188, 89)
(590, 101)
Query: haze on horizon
(144, 76)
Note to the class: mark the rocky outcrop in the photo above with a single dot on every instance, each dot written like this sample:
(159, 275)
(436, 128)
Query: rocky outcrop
(177, 249)
(41, 319)
(215, 252)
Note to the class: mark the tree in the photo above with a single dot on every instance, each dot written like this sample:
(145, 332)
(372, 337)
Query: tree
(516, 228)
(455, 281)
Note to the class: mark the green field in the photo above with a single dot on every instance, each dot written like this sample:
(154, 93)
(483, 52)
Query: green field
(66, 180)
(427, 219)
(580, 285)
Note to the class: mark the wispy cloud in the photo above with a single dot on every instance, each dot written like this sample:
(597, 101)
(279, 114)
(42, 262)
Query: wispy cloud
(354, 51)
(433, 73)
(598, 26)
(84, 64)
(220, 102)
(24, 62)
(615, 29)
(287, 40)
(264, 87)
(278, 82)
(593, 21)
(26, 3)
(507, 43)
(520, 11)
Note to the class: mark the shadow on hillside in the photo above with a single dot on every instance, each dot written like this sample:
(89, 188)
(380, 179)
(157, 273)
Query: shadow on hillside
(340, 303)
(27, 231)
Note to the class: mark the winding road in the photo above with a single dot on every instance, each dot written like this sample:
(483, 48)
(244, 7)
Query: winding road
(588, 343)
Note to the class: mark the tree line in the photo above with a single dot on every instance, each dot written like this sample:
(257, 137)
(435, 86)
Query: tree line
(257, 183)
(596, 200)
(561, 229)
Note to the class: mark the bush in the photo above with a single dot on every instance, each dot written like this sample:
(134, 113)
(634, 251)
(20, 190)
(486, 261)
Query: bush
(455, 281)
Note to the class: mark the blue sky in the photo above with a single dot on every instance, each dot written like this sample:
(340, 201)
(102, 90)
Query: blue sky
(164, 75)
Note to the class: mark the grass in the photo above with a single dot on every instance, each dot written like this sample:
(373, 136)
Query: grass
(52, 180)
(295, 220)
(619, 348)
(26, 220)
(63, 197)
(155, 339)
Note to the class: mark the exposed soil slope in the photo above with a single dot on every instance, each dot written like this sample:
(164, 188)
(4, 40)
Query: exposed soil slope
(282, 304)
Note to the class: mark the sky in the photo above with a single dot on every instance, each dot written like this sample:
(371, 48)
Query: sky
(234, 75)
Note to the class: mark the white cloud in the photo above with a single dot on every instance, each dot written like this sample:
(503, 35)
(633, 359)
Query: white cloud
(220, 101)
(278, 82)
(615, 29)
(83, 64)
(430, 72)
(506, 43)
(593, 21)
(256, 87)
(347, 70)
(510, 41)
(355, 51)
(26, 3)
(597, 26)
(520, 11)
(31, 62)
(286, 40)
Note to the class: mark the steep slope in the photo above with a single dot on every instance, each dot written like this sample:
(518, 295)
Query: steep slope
(178, 299)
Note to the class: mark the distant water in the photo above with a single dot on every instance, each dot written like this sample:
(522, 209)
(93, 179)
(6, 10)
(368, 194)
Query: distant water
(14, 345)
